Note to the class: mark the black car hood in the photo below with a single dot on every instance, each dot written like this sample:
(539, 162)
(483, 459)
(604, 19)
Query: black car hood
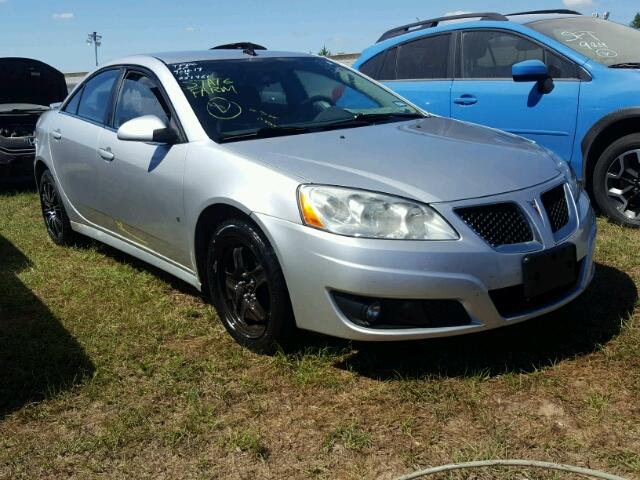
(24, 80)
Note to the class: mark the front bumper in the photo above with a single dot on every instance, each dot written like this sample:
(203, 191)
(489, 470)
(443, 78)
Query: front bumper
(317, 263)
(16, 164)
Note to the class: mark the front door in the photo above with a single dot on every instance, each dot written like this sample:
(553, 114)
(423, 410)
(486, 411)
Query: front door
(142, 182)
(486, 93)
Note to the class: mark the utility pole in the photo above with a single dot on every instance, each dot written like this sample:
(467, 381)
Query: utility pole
(96, 40)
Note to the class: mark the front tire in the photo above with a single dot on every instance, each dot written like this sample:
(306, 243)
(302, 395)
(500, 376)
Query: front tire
(248, 288)
(53, 212)
(616, 181)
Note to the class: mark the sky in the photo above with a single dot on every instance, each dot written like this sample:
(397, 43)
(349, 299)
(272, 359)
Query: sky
(55, 31)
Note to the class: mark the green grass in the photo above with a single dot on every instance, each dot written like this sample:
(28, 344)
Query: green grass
(110, 368)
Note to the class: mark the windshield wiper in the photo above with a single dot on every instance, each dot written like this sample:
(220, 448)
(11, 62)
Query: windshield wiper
(372, 117)
(360, 119)
(266, 132)
(625, 65)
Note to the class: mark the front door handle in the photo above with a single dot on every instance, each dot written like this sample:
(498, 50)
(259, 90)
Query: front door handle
(106, 153)
(465, 100)
(56, 134)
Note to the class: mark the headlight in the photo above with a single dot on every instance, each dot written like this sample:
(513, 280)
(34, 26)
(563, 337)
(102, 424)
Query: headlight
(359, 213)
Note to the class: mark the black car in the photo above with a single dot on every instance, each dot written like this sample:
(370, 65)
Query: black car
(27, 88)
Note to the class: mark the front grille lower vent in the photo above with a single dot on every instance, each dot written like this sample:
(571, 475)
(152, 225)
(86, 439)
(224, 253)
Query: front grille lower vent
(555, 203)
(498, 224)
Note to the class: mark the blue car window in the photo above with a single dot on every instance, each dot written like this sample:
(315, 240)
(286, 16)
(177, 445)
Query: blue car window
(372, 66)
(606, 42)
(491, 54)
(426, 58)
(388, 69)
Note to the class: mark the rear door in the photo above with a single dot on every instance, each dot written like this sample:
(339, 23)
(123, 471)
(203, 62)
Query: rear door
(74, 141)
(420, 70)
(484, 91)
(142, 182)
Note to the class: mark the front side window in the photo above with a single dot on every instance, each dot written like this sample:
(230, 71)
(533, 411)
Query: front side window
(491, 54)
(426, 58)
(139, 96)
(606, 42)
(251, 97)
(96, 96)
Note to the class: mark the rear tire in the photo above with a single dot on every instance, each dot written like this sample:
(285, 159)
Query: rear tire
(53, 212)
(248, 288)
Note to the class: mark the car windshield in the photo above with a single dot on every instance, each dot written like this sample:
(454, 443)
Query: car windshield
(259, 97)
(606, 42)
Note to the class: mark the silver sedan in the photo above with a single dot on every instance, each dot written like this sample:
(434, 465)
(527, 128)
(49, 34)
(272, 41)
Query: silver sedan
(298, 193)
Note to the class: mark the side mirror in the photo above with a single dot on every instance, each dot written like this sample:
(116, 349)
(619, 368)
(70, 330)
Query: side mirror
(147, 128)
(533, 71)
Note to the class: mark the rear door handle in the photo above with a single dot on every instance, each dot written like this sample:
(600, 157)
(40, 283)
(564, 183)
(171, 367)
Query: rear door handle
(465, 100)
(106, 153)
(56, 134)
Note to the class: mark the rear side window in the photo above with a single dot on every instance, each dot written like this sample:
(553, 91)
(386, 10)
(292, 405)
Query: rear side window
(382, 66)
(372, 66)
(388, 70)
(427, 58)
(72, 105)
(96, 96)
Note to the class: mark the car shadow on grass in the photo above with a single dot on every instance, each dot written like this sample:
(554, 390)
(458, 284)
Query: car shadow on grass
(38, 356)
(579, 328)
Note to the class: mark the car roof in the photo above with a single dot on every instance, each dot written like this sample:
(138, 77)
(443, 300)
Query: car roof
(470, 20)
(219, 54)
(524, 19)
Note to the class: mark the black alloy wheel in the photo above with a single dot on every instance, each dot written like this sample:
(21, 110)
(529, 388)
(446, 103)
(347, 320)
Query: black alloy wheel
(248, 287)
(53, 212)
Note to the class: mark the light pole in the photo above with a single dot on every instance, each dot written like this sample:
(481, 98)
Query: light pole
(96, 40)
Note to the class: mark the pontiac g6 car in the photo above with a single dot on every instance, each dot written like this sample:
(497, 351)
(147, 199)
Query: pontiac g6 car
(297, 192)
(27, 88)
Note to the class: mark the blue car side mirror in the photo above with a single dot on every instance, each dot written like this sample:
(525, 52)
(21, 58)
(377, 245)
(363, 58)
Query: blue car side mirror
(533, 71)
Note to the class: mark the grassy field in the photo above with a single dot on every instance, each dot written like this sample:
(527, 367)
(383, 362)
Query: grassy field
(112, 369)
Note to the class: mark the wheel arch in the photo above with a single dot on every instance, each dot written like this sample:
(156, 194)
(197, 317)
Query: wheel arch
(208, 220)
(38, 169)
(607, 130)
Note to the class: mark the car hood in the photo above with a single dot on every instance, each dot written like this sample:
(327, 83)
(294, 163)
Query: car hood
(24, 80)
(433, 159)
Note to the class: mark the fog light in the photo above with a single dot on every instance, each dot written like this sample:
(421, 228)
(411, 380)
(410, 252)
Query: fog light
(373, 312)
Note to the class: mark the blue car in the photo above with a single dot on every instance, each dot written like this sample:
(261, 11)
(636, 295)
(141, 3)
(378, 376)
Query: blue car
(568, 82)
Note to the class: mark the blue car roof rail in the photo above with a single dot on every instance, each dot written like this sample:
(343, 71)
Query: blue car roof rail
(433, 22)
(541, 12)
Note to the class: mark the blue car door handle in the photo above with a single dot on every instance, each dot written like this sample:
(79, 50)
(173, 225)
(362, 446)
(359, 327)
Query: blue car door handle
(465, 100)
